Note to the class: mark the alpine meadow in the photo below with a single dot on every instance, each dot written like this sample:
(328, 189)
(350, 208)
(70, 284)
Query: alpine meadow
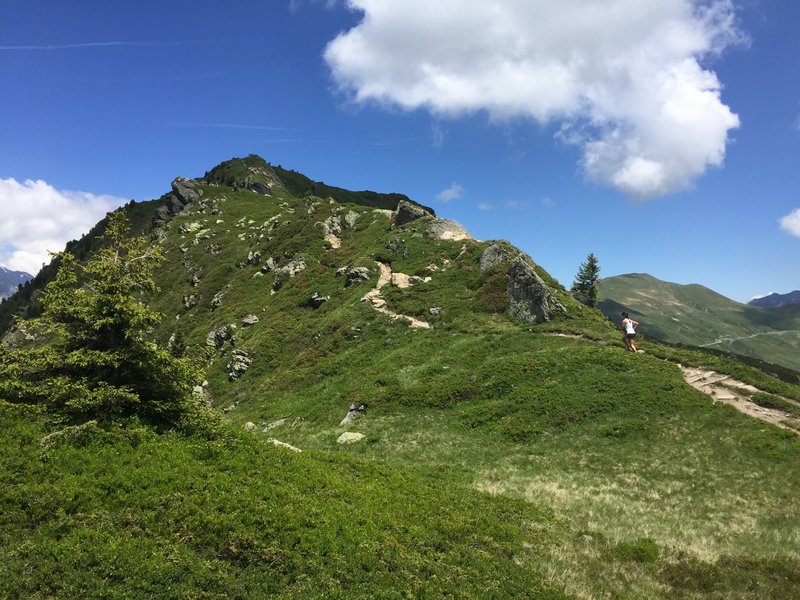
(260, 385)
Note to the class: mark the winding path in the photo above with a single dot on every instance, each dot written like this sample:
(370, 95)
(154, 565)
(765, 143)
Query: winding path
(378, 303)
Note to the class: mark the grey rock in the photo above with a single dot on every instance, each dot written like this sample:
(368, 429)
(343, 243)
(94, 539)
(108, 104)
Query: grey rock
(493, 256)
(249, 320)
(530, 299)
(269, 265)
(318, 300)
(354, 412)
(286, 272)
(186, 190)
(407, 212)
(216, 301)
(284, 445)
(435, 310)
(273, 425)
(356, 275)
(350, 437)
(444, 229)
(249, 426)
(350, 219)
(190, 301)
(239, 363)
(217, 338)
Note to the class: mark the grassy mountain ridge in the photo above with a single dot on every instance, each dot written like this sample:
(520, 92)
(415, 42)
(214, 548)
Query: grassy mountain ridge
(697, 316)
(499, 458)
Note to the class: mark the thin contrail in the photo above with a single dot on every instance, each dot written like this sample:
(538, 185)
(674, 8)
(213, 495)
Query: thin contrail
(92, 45)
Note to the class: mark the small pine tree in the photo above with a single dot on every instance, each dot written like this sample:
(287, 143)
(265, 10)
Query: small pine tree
(584, 288)
(98, 361)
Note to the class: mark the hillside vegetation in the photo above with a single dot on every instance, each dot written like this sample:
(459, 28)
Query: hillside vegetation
(496, 458)
(697, 316)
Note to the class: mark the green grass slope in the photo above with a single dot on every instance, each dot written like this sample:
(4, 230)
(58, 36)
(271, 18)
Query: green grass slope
(697, 316)
(499, 459)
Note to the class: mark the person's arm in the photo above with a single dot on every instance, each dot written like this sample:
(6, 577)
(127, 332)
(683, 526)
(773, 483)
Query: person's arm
(634, 323)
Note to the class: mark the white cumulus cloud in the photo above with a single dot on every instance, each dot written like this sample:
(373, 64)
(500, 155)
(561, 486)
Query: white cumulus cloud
(37, 219)
(625, 78)
(791, 223)
(454, 192)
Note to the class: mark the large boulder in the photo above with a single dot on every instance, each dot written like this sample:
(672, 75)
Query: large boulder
(407, 212)
(186, 190)
(444, 229)
(530, 299)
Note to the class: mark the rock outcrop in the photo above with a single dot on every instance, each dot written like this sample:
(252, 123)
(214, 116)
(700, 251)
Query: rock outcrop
(184, 192)
(444, 229)
(407, 212)
(530, 299)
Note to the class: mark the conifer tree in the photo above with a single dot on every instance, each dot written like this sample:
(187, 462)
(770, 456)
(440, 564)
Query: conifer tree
(99, 361)
(584, 288)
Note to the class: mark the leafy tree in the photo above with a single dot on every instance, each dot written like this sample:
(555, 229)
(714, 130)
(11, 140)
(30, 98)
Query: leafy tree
(584, 288)
(97, 361)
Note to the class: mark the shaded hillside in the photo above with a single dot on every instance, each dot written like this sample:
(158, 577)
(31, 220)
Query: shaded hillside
(11, 280)
(467, 429)
(776, 300)
(697, 316)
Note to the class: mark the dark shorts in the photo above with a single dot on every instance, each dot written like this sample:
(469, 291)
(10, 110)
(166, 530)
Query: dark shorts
(630, 336)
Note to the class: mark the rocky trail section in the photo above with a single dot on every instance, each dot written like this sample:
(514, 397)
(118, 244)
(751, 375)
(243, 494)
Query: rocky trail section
(725, 389)
(378, 303)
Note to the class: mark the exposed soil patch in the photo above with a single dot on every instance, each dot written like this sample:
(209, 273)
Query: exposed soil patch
(722, 388)
(378, 303)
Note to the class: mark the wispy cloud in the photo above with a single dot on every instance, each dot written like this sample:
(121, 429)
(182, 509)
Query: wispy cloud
(437, 135)
(454, 192)
(132, 43)
(245, 126)
(548, 202)
(485, 206)
(791, 223)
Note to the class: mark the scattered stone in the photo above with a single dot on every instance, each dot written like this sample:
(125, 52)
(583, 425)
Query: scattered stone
(356, 275)
(238, 365)
(435, 310)
(190, 301)
(318, 300)
(354, 412)
(249, 426)
(273, 425)
(350, 437)
(269, 265)
(72, 433)
(282, 274)
(216, 338)
(284, 445)
(249, 320)
(350, 219)
(195, 281)
(190, 227)
(397, 247)
(216, 301)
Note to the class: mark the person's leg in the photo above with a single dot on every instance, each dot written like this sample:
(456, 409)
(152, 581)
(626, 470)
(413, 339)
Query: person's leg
(626, 341)
(631, 345)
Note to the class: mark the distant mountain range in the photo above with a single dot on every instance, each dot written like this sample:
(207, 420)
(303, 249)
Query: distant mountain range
(776, 300)
(697, 316)
(9, 280)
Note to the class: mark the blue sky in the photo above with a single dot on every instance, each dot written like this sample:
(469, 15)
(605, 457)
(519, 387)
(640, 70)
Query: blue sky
(662, 136)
